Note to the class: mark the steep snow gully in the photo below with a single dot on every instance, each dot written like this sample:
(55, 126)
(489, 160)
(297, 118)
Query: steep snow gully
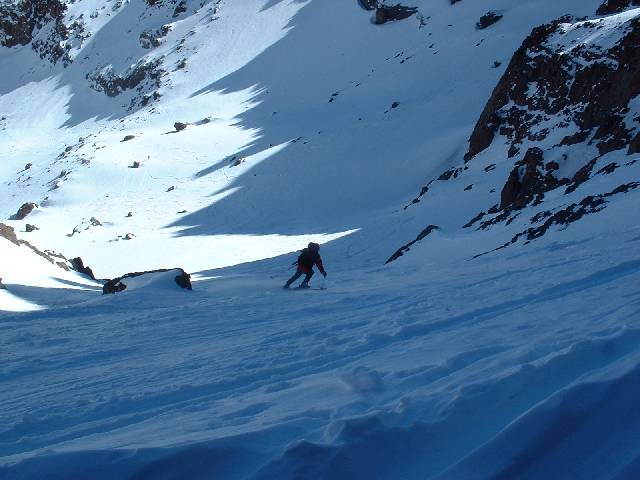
(470, 168)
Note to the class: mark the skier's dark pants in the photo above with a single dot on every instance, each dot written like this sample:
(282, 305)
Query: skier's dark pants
(298, 274)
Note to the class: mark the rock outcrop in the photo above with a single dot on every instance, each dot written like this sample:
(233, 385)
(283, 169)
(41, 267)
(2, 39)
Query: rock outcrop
(528, 181)
(405, 248)
(9, 233)
(385, 13)
(550, 75)
(143, 78)
(39, 22)
(78, 265)
(566, 110)
(616, 6)
(24, 210)
(487, 20)
(160, 278)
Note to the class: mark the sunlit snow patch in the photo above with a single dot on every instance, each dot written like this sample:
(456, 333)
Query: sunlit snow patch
(11, 303)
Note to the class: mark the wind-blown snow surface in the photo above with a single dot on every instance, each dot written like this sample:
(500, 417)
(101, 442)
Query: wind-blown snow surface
(523, 363)
(518, 366)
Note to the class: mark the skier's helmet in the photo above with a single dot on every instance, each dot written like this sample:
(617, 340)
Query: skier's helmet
(313, 246)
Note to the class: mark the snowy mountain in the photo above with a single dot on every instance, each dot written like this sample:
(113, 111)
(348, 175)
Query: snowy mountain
(469, 167)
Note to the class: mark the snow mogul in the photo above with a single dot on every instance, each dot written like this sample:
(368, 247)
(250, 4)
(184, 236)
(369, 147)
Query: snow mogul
(309, 257)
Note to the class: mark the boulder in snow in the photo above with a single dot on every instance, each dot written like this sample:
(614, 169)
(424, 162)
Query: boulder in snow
(25, 210)
(487, 20)
(163, 278)
(179, 126)
(78, 265)
(386, 13)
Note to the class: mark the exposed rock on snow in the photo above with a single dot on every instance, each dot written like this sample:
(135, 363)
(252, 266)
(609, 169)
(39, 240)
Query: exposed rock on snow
(404, 249)
(153, 278)
(40, 22)
(179, 126)
(9, 233)
(153, 38)
(181, 7)
(572, 213)
(368, 4)
(487, 20)
(540, 101)
(30, 228)
(522, 189)
(144, 77)
(386, 13)
(25, 210)
(616, 6)
(85, 225)
(78, 265)
(550, 75)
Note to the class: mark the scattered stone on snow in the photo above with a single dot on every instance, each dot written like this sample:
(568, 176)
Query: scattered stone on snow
(85, 225)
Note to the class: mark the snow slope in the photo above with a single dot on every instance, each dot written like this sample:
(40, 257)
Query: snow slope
(483, 369)
(519, 363)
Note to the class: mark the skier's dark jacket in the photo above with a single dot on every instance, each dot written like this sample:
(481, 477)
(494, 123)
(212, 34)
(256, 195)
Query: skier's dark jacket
(307, 259)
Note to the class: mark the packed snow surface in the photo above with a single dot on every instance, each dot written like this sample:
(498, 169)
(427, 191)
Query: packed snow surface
(521, 363)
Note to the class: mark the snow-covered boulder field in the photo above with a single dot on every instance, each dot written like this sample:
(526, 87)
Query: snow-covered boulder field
(471, 169)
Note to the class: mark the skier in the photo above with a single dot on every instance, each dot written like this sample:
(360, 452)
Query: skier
(307, 259)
